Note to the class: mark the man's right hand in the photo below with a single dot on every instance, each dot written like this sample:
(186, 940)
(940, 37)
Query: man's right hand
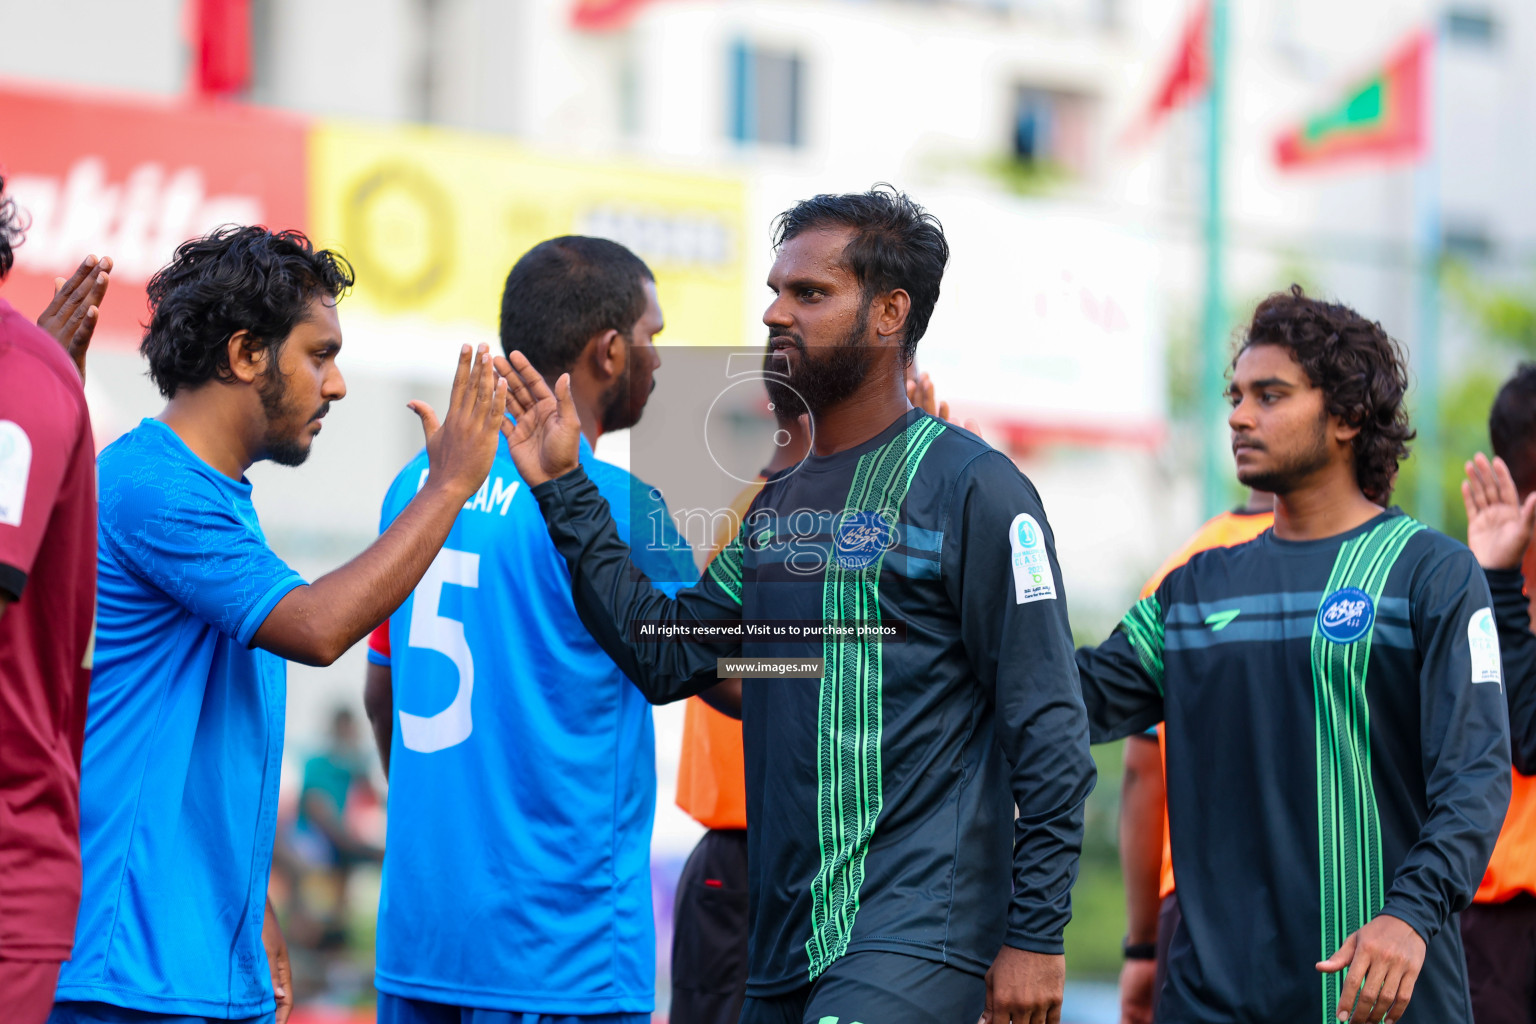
(460, 450)
(74, 312)
(1498, 523)
(1138, 979)
(546, 439)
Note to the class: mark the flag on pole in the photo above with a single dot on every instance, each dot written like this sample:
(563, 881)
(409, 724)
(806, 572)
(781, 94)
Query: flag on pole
(1186, 77)
(1386, 117)
(221, 47)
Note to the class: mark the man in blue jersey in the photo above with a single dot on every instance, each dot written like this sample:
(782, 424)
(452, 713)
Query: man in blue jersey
(516, 876)
(195, 614)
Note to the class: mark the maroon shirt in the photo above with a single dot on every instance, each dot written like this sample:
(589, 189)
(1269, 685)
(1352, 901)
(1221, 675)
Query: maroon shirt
(48, 572)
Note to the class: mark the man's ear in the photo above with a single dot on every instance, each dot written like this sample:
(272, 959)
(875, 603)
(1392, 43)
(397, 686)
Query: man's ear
(1344, 433)
(890, 313)
(247, 359)
(610, 354)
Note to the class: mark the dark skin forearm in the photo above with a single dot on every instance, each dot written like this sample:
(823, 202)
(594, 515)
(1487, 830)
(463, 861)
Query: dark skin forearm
(379, 703)
(1141, 837)
(317, 623)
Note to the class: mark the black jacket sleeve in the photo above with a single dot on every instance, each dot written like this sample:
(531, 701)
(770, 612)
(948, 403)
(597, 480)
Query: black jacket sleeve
(1517, 648)
(1464, 733)
(610, 594)
(1123, 676)
(1003, 577)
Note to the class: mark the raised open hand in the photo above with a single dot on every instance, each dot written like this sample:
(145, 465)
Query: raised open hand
(1498, 523)
(72, 316)
(460, 450)
(546, 439)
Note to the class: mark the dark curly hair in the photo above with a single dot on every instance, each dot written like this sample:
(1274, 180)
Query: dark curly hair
(234, 279)
(896, 244)
(11, 230)
(1361, 371)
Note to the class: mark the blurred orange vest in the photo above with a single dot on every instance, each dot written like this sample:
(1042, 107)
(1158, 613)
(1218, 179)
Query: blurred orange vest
(711, 778)
(1513, 867)
(1226, 530)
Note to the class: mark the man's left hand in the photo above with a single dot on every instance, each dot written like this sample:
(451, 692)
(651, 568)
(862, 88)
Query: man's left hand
(1024, 987)
(72, 316)
(1384, 959)
(277, 960)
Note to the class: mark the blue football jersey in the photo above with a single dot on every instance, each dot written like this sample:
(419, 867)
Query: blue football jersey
(522, 767)
(183, 740)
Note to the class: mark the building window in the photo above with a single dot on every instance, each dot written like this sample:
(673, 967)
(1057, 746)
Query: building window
(1472, 26)
(1050, 130)
(766, 91)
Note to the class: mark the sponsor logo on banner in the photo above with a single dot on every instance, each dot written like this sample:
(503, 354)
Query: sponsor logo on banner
(1033, 579)
(133, 179)
(1346, 616)
(1483, 642)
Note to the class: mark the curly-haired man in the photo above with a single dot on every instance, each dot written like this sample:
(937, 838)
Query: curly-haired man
(196, 614)
(1338, 752)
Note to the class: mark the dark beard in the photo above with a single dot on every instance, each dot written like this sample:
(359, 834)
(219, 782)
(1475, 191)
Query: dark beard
(828, 379)
(1284, 479)
(615, 414)
(272, 388)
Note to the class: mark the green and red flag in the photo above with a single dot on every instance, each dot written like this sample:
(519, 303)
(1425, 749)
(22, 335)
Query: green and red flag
(1386, 117)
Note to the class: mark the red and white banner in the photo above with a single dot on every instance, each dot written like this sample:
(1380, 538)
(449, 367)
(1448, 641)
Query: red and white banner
(133, 180)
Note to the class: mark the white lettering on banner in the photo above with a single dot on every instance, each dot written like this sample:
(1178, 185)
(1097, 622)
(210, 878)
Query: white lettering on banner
(1033, 579)
(138, 222)
(15, 468)
(434, 632)
(1483, 640)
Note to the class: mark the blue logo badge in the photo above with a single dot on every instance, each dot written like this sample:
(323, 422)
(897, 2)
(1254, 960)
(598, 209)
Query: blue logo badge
(1028, 535)
(1346, 615)
(861, 538)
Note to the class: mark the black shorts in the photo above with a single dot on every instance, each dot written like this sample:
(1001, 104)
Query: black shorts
(877, 988)
(1500, 939)
(709, 932)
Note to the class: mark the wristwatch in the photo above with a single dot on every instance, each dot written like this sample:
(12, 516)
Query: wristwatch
(1138, 950)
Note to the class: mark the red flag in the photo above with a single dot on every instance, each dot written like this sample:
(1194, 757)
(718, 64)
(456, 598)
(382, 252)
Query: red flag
(1383, 117)
(221, 47)
(603, 15)
(1186, 78)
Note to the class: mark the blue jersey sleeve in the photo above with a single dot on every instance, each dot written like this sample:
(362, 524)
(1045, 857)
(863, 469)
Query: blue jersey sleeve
(660, 551)
(181, 534)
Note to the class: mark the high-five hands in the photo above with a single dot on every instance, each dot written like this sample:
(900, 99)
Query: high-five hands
(461, 449)
(1384, 959)
(546, 439)
(1498, 523)
(72, 316)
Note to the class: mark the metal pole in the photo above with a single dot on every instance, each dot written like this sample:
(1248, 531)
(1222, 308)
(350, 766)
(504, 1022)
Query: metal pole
(1217, 468)
(1427, 449)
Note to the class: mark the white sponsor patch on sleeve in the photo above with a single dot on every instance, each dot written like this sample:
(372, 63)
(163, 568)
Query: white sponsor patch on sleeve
(1032, 576)
(1483, 640)
(15, 467)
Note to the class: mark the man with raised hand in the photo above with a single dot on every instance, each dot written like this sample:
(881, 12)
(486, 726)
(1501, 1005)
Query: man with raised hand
(196, 614)
(517, 883)
(1337, 745)
(1499, 929)
(47, 598)
(889, 878)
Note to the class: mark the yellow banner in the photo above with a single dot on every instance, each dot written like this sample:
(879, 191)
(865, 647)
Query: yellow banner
(433, 220)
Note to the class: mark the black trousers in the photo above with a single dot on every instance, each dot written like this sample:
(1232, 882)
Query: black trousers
(709, 931)
(1500, 939)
